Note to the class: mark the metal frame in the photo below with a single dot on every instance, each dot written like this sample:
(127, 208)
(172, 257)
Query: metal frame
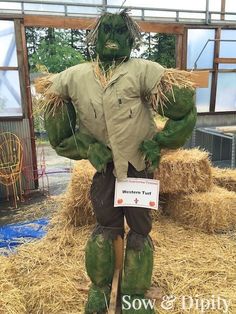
(213, 132)
(209, 40)
(103, 7)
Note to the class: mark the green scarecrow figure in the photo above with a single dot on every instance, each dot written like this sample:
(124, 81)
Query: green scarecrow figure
(102, 111)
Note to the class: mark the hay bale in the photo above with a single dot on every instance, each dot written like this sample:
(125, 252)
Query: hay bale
(194, 264)
(225, 178)
(77, 207)
(212, 211)
(184, 171)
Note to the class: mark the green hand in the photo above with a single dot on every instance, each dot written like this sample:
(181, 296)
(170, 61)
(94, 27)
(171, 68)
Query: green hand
(99, 155)
(152, 153)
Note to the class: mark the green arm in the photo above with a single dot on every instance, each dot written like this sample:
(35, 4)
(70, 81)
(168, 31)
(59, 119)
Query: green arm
(179, 104)
(182, 116)
(73, 144)
(60, 127)
(176, 133)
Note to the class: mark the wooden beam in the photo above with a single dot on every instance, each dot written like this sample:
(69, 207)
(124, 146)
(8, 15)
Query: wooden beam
(20, 59)
(8, 68)
(28, 97)
(215, 73)
(178, 51)
(225, 60)
(88, 23)
(161, 28)
(184, 49)
(59, 22)
(222, 16)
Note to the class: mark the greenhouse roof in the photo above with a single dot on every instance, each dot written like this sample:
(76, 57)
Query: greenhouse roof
(181, 11)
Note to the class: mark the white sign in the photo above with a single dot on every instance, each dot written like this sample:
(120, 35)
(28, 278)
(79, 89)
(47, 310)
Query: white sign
(133, 192)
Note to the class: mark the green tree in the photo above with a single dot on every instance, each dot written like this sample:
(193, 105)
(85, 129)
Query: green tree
(54, 52)
(160, 48)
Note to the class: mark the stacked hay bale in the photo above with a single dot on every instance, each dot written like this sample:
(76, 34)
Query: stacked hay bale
(77, 209)
(191, 196)
(184, 171)
(225, 178)
(188, 192)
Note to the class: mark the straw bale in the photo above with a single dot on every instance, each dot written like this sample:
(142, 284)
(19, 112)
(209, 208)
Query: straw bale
(195, 264)
(51, 276)
(212, 211)
(225, 178)
(77, 206)
(184, 171)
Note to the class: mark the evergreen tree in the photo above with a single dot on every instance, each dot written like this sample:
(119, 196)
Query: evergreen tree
(160, 48)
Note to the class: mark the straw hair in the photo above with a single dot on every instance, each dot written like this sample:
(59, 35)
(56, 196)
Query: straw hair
(171, 78)
(184, 171)
(213, 211)
(46, 98)
(225, 178)
(132, 26)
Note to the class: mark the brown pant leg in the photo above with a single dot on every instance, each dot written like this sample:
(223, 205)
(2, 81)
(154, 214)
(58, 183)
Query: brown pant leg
(138, 218)
(109, 218)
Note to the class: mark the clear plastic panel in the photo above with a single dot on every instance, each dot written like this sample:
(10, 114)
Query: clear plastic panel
(226, 92)
(230, 6)
(197, 38)
(44, 7)
(215, 5)
(8, 55)
(83, 1)
(189, 15)
(228, 49)
(203, 96)
(167, 4)
(10, 6)
(10, 97)
(215, 17)
(83, 10)
(152, 13)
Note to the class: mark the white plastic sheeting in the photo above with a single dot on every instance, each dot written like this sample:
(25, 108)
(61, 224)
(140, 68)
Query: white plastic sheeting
(10, 96)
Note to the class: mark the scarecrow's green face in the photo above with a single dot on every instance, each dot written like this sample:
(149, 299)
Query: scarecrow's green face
(114, 39)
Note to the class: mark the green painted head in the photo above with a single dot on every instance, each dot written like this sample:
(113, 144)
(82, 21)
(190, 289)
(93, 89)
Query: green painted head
(114, 36)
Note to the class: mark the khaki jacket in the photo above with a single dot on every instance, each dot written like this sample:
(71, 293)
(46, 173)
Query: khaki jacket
(119, 115)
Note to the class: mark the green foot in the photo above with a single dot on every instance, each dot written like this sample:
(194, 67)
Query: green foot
(98, 300)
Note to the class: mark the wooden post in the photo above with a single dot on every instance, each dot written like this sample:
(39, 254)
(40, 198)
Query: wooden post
(119, 252)
(119, 255)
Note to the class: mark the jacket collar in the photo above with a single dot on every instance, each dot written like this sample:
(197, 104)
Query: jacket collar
(105, 82)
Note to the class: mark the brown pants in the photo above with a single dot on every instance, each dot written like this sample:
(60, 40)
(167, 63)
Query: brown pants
(110, 218)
